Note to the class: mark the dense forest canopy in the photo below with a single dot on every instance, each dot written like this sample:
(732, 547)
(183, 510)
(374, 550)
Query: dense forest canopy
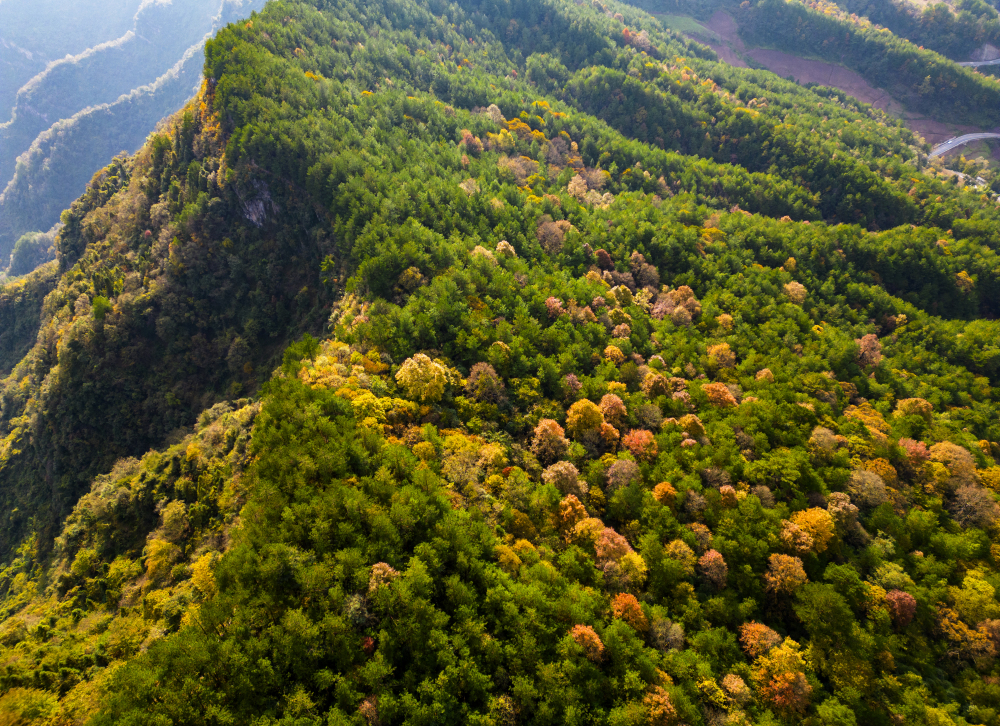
(955, 31)
(504, 362)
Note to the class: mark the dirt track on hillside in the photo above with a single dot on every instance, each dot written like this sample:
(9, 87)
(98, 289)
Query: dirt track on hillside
(826, 74)
(732, 50)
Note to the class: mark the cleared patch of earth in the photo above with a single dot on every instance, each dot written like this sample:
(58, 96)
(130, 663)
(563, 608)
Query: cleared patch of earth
(721, 35)
(805, 71)
(695, 30)
(935, 131)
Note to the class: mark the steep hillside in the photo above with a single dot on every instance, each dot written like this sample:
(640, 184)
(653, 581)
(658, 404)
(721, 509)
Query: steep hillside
(644, 390)
(21, 311)
(34, 35)
(918, 78)
(923, 80)
(957, 32)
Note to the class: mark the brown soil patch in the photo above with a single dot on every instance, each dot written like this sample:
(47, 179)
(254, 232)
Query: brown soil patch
(725, 26)
(829, 74)
(934, 132)
(734, 51)
(726, 54)
(826, 74)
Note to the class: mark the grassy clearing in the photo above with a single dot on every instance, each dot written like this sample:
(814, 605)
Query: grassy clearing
(688, 26)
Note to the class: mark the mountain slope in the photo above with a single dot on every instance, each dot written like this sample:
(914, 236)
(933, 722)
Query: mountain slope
(66, 28)
(650, 390)
(955, 32)
(93, 104)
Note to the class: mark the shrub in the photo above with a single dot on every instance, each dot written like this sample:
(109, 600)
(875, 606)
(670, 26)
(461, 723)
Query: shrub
(641, 444)
(719, 395)
(867, 488)
(625, 607)
(757, 639)
(613, 409)
(713, 568)
(586, 638)
(901, 606)
(869, 350)
(784, 574)
(583, 416)
(667, 635)
(622, 473)
(974, 506)
(549, 442)
(424, 379)
(565, 477)
(679, 551)
(484, 384)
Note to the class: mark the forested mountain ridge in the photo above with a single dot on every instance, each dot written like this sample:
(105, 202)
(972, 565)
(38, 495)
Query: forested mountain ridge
(648, 390)
(957, 32)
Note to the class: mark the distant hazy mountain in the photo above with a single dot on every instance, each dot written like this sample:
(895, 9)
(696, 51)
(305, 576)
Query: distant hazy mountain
(82, 81)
